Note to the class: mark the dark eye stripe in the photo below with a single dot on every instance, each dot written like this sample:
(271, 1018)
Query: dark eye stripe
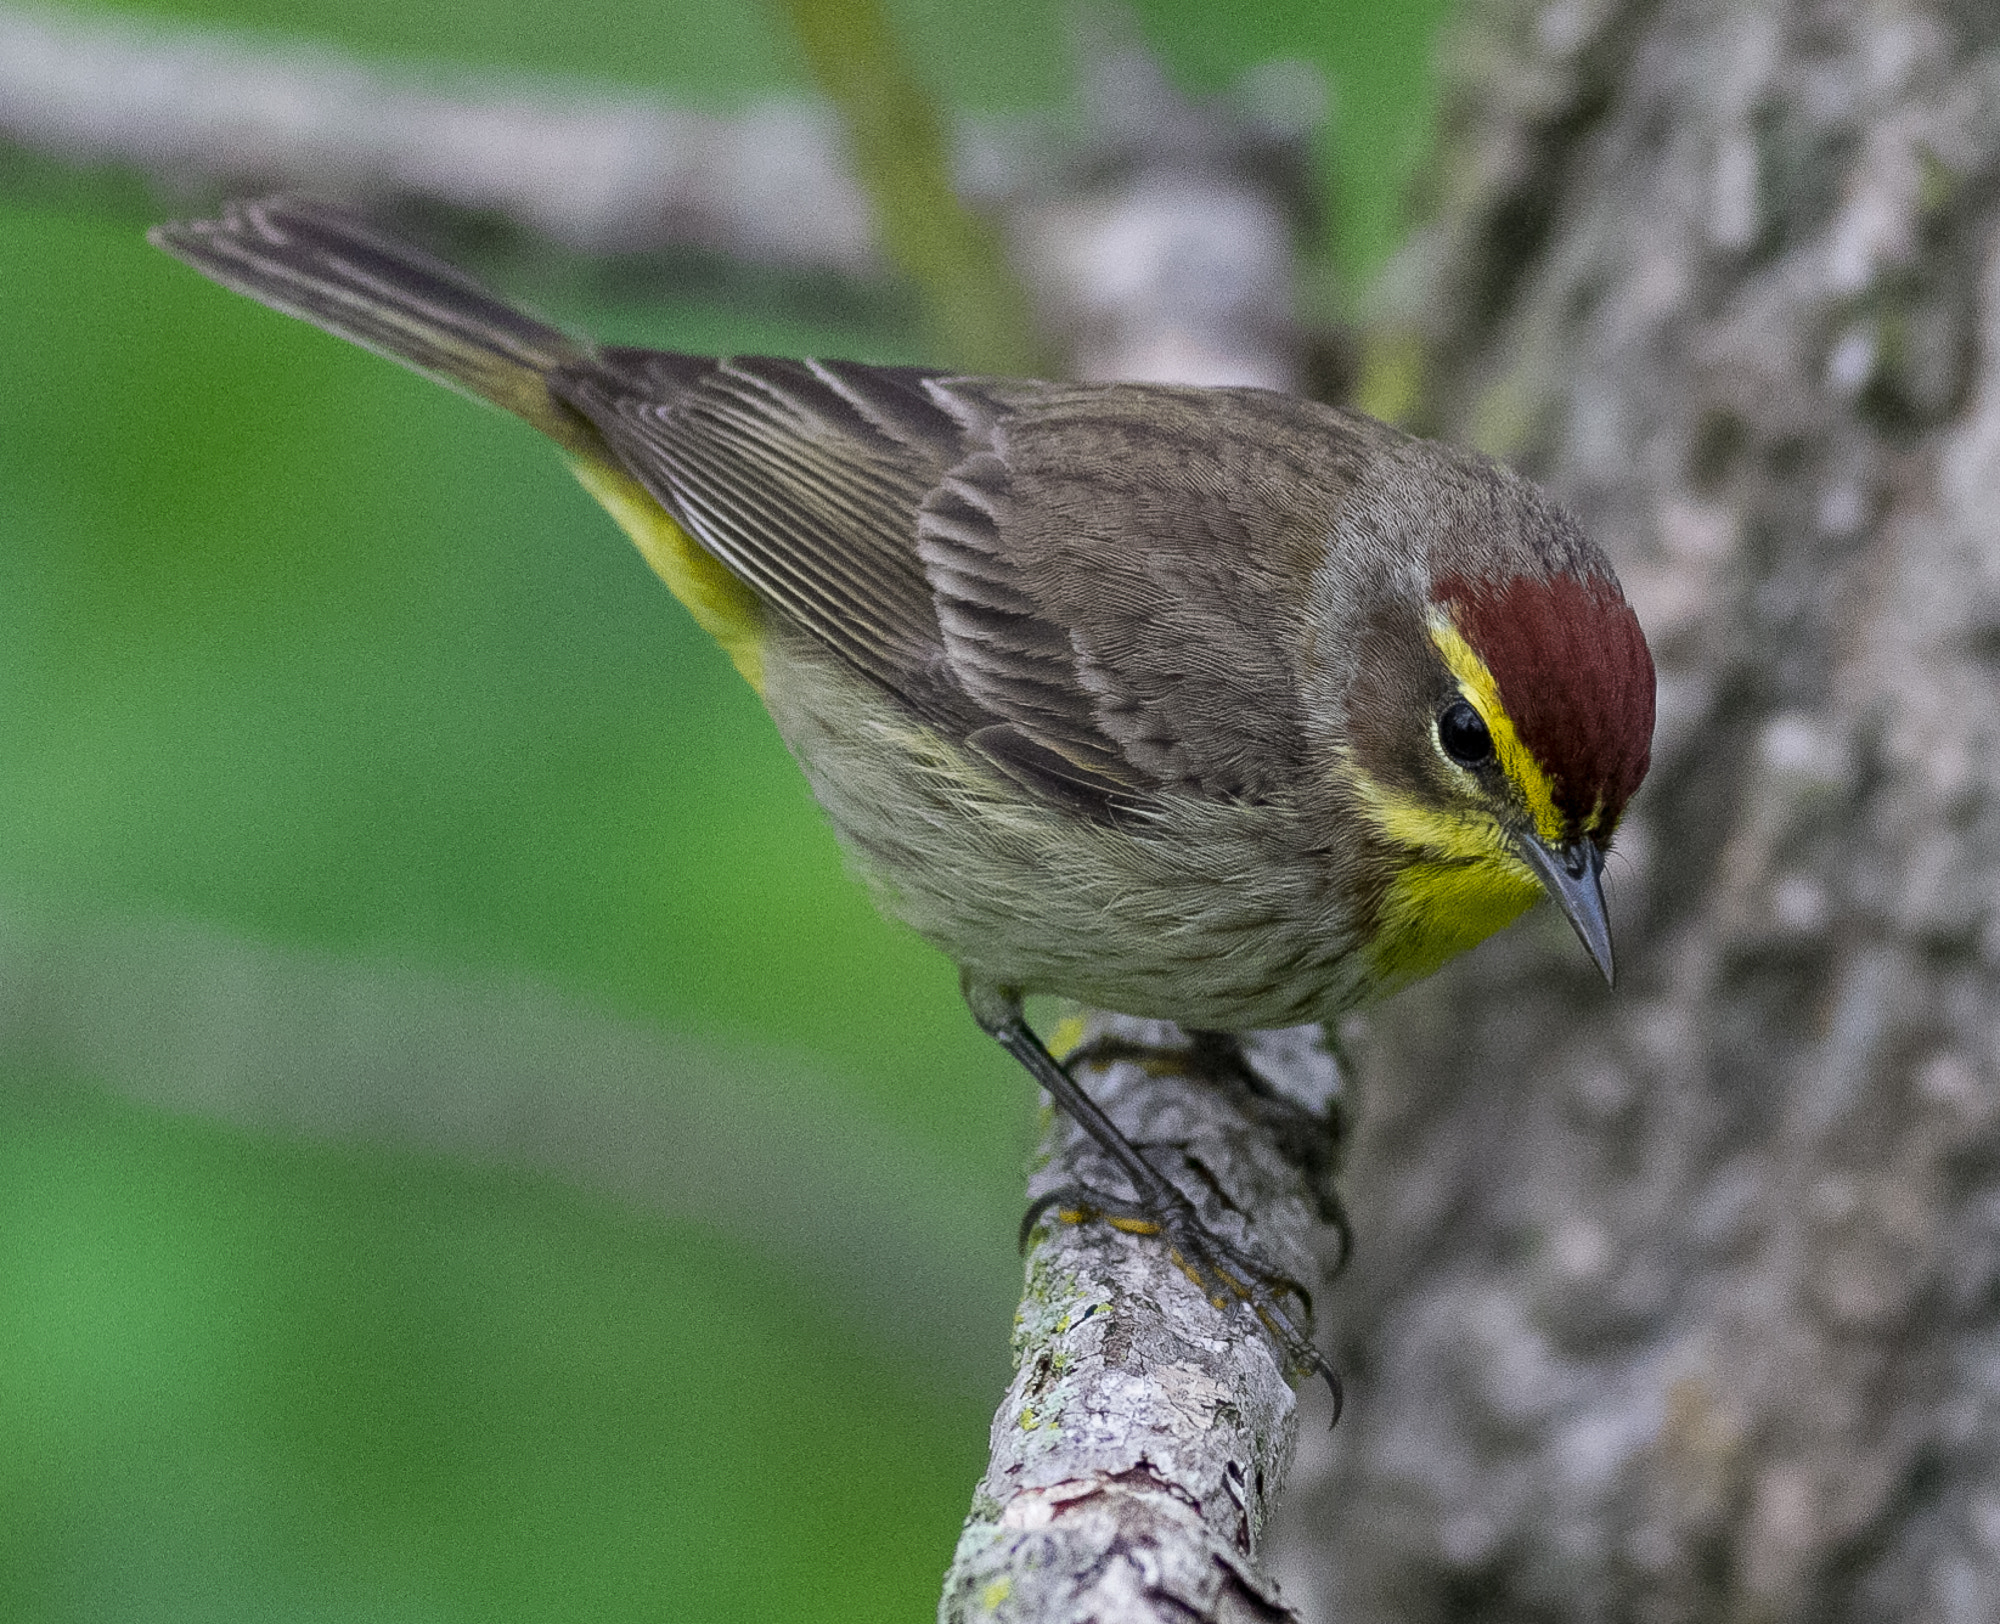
(1462, 734)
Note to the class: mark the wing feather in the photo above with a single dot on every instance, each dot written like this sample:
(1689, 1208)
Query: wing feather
(793, 489)
(1087, 586)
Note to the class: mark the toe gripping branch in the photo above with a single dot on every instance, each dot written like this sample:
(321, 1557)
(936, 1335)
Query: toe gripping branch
(1225, 1273)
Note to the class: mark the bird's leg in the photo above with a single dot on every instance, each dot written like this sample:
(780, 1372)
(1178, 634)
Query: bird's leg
(1312, 1141)
(1223, 1272)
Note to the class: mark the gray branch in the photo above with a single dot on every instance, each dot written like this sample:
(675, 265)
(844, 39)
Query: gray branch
(1146, 1435)
(1148, 227)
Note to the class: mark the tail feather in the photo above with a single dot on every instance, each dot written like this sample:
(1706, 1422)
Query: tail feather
(328, 267)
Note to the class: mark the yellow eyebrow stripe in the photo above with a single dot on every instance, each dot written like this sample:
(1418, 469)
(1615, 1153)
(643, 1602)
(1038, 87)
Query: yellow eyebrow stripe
(1483, 694)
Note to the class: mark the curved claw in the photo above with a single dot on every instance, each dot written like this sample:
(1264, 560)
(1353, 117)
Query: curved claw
(1261, 1294)
(1067, 1199)
(1201, 1254)
(1158, 1205)
(1302, 1352)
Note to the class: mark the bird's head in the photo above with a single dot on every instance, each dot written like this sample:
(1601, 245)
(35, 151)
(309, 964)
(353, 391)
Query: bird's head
(1510, 722)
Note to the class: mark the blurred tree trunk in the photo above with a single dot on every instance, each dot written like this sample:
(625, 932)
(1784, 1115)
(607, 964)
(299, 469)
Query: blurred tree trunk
(1680, 1302)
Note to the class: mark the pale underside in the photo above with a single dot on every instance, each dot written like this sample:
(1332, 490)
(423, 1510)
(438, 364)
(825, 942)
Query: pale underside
(1202, 913)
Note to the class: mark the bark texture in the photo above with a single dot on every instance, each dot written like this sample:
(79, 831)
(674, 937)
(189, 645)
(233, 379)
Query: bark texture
(1146, 1435)
(1680, 1303)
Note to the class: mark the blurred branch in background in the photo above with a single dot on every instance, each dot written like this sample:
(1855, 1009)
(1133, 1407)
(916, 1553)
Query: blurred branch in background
(900, 147)
(501, 1075)
(206, 113)
(1171, 255)
(1158, 239)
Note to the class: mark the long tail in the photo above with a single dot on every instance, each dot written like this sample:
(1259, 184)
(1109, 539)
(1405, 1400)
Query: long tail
(320, 263)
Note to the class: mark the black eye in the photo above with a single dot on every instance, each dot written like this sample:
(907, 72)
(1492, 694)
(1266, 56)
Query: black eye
(1464, 735)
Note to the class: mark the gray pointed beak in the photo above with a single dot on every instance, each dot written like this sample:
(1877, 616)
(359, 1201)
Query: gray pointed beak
(1572, 873)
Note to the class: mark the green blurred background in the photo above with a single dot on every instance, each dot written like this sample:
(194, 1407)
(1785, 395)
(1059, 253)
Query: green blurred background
(321, 692)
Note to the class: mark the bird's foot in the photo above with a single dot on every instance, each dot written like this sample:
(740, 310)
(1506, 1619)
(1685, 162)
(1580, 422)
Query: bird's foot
(1224, 1273)
(1312, 1141)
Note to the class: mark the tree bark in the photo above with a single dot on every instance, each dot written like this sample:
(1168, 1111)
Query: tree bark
(1146, 1435)
(1679, 1302)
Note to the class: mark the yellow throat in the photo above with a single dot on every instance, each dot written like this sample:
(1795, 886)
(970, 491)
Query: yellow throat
(1457, 877)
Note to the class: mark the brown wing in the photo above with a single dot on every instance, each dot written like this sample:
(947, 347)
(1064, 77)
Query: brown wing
(803, 478)
(806, 479)
(1090, 586)
(1122, 573)
(1086, 584)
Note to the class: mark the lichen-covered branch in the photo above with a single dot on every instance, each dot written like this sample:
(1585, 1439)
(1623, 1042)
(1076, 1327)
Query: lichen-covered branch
(1146, 1434)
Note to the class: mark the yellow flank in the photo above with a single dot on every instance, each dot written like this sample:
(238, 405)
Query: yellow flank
(722, 605)
(1066, 1036)
(1456, 882)
(1483, 693)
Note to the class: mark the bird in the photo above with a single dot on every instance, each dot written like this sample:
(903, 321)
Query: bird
(1215, 705)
